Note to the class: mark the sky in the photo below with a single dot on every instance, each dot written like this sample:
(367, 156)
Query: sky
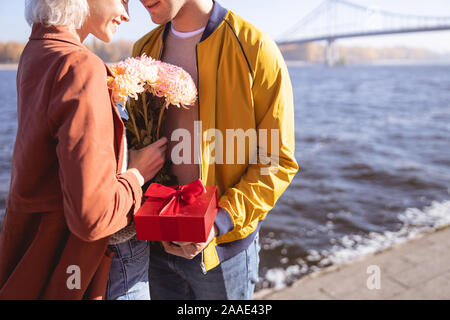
(273, 17)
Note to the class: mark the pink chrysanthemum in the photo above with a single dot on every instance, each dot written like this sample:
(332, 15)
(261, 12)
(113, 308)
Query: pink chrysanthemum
(135, 75)
(175, 85)
(124, 86)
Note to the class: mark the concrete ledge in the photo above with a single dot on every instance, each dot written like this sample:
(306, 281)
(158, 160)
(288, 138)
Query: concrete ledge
(416, 269)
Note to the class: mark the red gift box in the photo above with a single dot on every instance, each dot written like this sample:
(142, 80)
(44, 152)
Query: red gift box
(179, 213)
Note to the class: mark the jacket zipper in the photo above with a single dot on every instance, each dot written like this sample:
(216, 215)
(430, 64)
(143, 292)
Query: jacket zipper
(198, 117)
(202, 262)
(161, 50)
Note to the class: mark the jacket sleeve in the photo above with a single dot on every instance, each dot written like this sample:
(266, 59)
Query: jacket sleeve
(249, 201)
(97, 200)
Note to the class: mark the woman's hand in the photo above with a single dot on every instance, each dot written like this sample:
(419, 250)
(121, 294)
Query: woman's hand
(149, 160)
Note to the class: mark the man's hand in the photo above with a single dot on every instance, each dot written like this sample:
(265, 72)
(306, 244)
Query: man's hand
(189, 250)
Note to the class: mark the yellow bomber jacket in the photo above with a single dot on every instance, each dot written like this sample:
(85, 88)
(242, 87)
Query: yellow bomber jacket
(243, 83)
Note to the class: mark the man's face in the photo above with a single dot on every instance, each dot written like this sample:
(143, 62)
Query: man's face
(163, 11)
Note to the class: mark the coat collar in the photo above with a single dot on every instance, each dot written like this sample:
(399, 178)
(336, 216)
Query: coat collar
(217, 16)
(61, 33)
(58, 33)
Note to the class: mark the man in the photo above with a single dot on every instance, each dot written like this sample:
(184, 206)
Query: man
(244, 92)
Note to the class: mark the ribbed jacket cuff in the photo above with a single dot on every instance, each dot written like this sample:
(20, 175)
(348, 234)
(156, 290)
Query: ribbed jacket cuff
(136, 189)
(223, 222)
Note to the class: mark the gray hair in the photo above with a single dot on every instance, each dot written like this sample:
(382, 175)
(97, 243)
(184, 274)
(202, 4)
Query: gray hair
(70, 13)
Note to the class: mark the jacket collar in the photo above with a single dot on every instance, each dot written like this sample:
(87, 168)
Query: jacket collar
(217, 16)
(58, 33)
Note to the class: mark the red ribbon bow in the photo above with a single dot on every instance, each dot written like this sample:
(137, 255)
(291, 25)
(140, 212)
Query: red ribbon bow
(175, 196)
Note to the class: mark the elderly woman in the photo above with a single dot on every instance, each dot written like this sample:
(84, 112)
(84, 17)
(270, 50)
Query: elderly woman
(70, 187)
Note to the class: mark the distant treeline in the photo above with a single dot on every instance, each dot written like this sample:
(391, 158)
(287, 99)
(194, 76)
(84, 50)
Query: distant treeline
(112, 52)
(10, 52)
(312, 52)
(315, 52)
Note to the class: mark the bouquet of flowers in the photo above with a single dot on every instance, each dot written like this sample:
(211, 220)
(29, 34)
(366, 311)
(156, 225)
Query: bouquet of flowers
(145, 88)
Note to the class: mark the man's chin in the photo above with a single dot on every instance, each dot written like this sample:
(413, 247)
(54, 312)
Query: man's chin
(157, 20)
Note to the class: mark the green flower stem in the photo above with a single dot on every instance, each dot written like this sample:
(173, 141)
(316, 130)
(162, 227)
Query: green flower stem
(133, 121)
(161, 114)
(144, 102)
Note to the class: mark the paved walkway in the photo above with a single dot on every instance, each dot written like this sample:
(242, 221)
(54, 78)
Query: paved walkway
(417, 269)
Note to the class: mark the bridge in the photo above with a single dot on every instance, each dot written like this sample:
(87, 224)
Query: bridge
(339, 19)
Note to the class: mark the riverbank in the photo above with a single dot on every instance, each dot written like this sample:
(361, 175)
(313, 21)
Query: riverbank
(417, 269)
(294, 63)
(8, 66)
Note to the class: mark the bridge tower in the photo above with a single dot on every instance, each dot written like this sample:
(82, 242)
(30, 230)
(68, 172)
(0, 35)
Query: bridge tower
(339, 19)
(331, 53)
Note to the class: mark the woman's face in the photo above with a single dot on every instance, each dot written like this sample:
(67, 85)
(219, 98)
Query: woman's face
(105, 16)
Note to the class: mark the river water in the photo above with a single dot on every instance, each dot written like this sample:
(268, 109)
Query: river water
(373, 144)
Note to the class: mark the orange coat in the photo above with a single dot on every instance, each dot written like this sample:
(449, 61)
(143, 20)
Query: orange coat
(67, 194)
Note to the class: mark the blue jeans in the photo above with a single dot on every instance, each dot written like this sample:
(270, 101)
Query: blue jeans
(128, 276)
(175, 278)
